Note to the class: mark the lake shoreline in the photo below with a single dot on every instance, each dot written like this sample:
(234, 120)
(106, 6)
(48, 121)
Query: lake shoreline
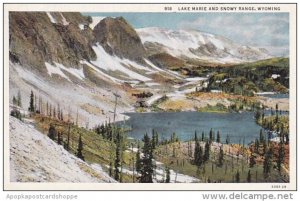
(185, 124)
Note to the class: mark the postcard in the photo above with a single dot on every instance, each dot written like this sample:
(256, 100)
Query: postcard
(150, 97)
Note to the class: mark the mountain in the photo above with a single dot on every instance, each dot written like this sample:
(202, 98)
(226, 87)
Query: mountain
(63, 60)
(88, 60)
(51, 54)
(118, 37)
(39, 37)
(198, 45)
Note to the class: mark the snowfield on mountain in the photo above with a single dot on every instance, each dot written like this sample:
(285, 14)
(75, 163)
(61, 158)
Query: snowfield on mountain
(199, 45)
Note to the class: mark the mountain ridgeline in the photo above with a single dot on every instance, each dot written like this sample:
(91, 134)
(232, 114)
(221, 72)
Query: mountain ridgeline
(66, 38)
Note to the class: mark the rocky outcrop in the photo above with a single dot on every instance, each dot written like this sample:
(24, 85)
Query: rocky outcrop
(39, 37)
(119, 38)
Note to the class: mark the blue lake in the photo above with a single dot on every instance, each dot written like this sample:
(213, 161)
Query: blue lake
(238, 126)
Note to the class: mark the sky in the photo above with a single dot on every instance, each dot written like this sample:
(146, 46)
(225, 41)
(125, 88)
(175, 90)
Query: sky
(268, 30)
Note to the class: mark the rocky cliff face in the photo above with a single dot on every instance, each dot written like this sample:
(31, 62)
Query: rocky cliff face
(119, 38)
(39, 37)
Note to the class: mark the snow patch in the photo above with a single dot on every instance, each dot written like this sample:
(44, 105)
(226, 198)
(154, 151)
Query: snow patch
(177, 42)
(101, 72)
(36, 158)
(96, 20)
(152, 65)
(74, 71)
(275, 76)
(113, 63)
(153, 99)
(151, 84)
(81, 26)
(55, 70)
(64, 21)
(218, 43)
(51, 18)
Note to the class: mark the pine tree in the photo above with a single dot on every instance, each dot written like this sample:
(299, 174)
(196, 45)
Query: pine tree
(210, 135)
(221, 157)
(31, 102)
(268, 162)
(196, 137)
(202, 138)
(201, 157)
(19, 99)
(52, 132)
(110, 170)
(153, 141)
(14, 100)
(59, 138)
(118, 157)
(61, 115)
(198, 154)
(280, 158)
(35, 103)
(218, 137)
(156, 138)
(237, 177)
(146, 161)
(249, 177)
(206, 151)
(54, 112)
(276, 118)
(190, 148)
(68, 137)
(50, 113)
(261, 136)
(168, 175)
(138, 159)
(80, 148)
(58, 112)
